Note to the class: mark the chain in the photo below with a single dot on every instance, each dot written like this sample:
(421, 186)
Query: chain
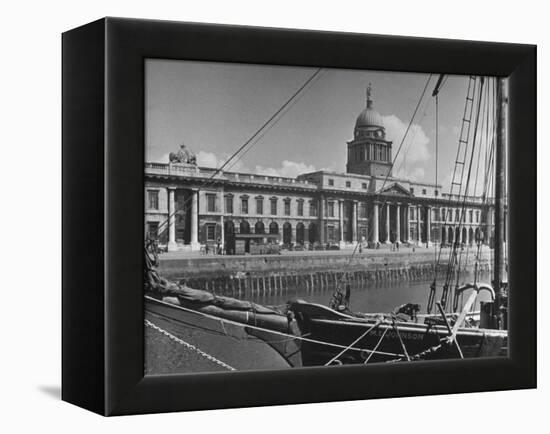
(189, 346)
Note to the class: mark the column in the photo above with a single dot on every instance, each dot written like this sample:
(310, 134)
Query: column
(398, 222)
(418, 233)
(387, 240)
(341, 218)
(222, 222)
(428, 225)
(195, 221)
(322, 220)
(408, 223)
(172, 246)
(354, 222)
(375, 223)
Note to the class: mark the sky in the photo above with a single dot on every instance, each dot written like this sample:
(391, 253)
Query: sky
(214, 108)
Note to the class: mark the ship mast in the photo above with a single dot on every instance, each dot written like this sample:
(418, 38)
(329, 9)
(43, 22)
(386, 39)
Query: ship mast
(500, 188)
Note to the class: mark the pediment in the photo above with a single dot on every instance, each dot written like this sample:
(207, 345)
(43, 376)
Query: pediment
(395, 189)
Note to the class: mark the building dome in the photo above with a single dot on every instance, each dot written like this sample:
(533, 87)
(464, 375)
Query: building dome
(369, 117)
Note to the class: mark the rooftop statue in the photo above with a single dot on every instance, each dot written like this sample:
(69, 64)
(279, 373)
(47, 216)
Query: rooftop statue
(183, 156)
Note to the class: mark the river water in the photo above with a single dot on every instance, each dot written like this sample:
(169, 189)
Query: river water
(376, 297)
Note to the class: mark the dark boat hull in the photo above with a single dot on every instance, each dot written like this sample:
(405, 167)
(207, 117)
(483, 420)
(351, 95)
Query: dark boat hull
(421, 341)
(229, 341)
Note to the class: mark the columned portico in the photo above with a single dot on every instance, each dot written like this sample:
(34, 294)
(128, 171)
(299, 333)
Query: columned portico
(172, 246)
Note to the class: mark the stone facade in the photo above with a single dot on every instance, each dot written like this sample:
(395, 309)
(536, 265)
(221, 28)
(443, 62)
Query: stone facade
(312, 208)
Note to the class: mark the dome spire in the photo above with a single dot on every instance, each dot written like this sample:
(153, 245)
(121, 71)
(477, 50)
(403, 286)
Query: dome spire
(369, 96)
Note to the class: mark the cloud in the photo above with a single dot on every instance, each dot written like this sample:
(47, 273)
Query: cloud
(414, 152)
(288, 169)
(164, 159)
(209, 159)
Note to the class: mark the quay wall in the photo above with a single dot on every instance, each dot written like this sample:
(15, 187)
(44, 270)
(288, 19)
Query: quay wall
(248, 275)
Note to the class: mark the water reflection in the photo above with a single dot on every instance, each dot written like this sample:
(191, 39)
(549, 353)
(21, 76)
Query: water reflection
(376, 296)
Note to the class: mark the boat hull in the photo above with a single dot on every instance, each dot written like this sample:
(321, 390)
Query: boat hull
(230, 341)
(386, 341)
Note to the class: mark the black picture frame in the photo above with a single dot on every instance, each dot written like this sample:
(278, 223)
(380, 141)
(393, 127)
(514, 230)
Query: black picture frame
(103, 178)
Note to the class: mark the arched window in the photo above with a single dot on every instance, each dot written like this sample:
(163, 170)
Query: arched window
(244, 227)
(273, 228)
(259, 228)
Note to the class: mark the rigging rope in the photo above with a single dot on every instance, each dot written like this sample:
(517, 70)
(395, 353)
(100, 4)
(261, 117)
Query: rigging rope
(353, 343)
(453, 260)
(377, 345)
(190, 346)
(210, 181)
(279, 117)
(275, 332)
(371, 229)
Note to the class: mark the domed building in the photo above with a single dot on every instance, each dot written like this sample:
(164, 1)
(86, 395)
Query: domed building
(369, 153)
(186, 210)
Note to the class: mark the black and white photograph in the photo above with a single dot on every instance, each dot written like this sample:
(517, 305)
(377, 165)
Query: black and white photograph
(301, 216)
(305, 217)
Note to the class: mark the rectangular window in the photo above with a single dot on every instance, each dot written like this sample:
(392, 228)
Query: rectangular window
(273, 206)
(413, 213)
(330, 209)
(210, 232)
(211, 202)
(424, 191)
(313, 208)
(364, 185)
(153, 199)
(259, 206)
(331, 182)
(411, 190)
(287, 207)
(477, 216)
(229, 204)
(436, 214)
(244, 205)
(348, 184)
(436, 192)
(471, 216)
(300, 208)
(457, 215)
